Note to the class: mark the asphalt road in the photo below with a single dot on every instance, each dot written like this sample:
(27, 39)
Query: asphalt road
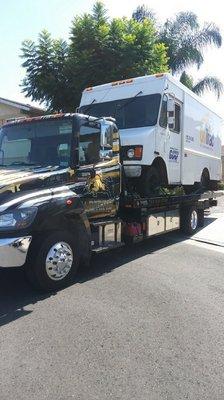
(144, 323)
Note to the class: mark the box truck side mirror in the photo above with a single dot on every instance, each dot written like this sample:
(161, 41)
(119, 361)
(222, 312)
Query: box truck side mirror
(171, 113)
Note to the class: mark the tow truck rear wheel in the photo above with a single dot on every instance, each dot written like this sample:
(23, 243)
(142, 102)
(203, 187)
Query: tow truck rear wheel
(190, 220)
(53, 262)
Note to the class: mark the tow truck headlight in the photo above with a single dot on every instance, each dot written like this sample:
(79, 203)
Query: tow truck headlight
(18, 219)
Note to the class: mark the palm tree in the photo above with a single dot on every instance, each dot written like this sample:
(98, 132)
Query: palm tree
(143, 12)
(186, 40)
(210, 83)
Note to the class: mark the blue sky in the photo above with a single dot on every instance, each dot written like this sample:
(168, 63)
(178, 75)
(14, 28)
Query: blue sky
(24, 19)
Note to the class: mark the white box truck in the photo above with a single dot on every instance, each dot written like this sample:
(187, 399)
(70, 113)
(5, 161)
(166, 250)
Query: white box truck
(168, 135)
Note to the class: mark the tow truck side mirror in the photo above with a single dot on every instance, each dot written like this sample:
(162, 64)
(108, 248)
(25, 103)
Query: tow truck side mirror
(1, 156)
(171, 112)
(106, 154)
(106, 141)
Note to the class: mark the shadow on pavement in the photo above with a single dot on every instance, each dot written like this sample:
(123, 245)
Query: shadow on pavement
(208, 220)
(16, 293)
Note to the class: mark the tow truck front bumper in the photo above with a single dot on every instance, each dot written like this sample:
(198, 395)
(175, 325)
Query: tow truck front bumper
(13, 251)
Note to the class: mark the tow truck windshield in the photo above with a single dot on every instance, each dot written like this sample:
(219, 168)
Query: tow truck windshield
(138, 111)
(37, 143)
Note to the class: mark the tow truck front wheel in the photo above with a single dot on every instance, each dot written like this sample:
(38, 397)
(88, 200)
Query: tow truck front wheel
(53, 262)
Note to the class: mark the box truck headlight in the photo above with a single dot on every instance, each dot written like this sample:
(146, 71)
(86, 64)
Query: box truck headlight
(131, 153)
(135, 153)
(18, 219)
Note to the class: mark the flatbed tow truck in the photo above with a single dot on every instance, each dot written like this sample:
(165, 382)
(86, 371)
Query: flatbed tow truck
(63, 196)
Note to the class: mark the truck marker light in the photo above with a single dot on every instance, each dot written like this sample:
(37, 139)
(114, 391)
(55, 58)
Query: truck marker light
(138, 152)
(121, 82)
(69, 202)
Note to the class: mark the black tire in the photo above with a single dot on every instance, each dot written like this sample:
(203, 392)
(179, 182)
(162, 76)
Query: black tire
(189, 189)
(150, 181)
(189, 220)
(201, 218)
(205, 179)
(213, 185)
(37, 270)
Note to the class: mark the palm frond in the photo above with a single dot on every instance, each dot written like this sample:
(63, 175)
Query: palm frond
(208, 35)
(188, 19)
(185, 40)
(184, 58)
(210, 83)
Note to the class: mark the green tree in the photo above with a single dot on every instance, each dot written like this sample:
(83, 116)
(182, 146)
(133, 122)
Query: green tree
(45, 70)
(100, 50)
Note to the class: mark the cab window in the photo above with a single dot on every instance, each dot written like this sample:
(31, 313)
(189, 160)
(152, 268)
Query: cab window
(89, 144)
(177, 118)
(163, 113)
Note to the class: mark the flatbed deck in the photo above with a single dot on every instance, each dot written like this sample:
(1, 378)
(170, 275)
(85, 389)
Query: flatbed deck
(208, 199)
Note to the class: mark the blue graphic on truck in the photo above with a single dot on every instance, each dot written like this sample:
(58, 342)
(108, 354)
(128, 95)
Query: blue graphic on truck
(173, 154)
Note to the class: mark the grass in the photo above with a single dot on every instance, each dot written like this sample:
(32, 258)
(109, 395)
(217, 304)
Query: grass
(221, 185)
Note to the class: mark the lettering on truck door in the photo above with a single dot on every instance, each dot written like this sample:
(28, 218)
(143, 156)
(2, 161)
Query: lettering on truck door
(174, 147)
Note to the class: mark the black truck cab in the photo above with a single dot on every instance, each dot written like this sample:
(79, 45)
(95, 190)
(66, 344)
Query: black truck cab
(57, 173)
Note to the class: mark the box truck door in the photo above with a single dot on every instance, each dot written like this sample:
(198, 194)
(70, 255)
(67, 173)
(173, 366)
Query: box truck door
(168, 141)
(174, 145)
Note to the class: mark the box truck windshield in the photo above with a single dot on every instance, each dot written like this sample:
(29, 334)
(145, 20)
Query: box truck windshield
(38, 143)
(130, 112)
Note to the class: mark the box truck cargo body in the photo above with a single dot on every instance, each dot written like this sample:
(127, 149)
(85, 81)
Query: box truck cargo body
(167, 133)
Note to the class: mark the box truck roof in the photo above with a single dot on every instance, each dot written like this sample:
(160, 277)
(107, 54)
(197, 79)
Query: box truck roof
(126, 82)
(128, 88)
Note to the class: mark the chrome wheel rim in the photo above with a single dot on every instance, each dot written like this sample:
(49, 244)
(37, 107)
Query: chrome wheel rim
(59, 261)
(194, 219)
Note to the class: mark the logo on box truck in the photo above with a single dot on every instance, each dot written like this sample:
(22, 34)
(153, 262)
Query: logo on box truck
(207, 138)
(173, 154)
